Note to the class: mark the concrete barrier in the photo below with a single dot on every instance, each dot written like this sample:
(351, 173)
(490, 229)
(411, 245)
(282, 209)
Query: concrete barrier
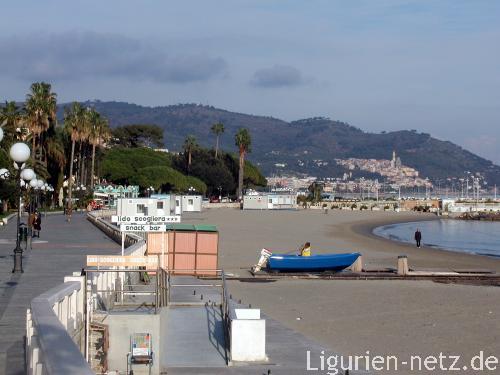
(235, 205)
(112, 231)
(55, 329)
(247, 334)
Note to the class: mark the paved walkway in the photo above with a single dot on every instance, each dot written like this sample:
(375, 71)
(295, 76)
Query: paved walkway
(60, 251)
(200, 343)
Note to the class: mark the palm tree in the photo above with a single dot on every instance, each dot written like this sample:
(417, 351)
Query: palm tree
(189, 145)
(99, 133)
(74, 120)
(83, 137)
(10, 118)
(243, 141)
(40, 107)
(217, 129)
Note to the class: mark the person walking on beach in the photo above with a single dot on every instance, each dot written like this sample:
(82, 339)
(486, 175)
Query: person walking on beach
(418, 237)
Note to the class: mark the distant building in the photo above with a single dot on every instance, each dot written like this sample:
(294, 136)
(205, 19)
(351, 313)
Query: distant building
(111, 193)
(461, 206)
(159, 205)
(270, 201)
(187, 203)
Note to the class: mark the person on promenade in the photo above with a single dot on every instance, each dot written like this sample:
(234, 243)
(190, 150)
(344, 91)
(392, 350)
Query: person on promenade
(37, 224)
(31, 222)
(418, 237)
(305, 251)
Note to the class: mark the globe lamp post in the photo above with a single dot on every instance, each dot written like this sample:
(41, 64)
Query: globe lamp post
(19, 153)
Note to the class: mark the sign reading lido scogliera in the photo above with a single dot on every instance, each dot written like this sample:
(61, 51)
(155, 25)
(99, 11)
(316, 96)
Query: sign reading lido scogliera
(141, 219)
(122, 261)
(142, 228)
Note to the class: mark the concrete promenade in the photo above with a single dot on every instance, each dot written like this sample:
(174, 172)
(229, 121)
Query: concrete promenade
(60, 250)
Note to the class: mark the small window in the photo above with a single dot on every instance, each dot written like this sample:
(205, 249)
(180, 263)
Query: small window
(141, 209)
(271, 200)
(190, 202)
(159, 205)
(177, 203)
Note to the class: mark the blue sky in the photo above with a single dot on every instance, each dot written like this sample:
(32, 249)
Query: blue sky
(430, 65)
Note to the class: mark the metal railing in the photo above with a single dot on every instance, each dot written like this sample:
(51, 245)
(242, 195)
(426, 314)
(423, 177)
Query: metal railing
(227, 315)
(113, 289)
(162, 288)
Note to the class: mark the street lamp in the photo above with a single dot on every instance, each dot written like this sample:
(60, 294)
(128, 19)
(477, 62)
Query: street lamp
(191, 190)
(28, 174)
(19, 153)
(4, 173)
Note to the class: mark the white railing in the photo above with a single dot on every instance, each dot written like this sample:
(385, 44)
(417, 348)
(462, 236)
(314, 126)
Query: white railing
(104, 285)
(55, 330)
(55, 322)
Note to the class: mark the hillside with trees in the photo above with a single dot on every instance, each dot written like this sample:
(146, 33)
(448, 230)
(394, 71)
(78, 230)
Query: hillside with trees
(73, 148)
(300, 144)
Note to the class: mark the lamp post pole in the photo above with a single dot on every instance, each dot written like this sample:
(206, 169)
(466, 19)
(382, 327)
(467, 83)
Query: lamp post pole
(19, 153)
(18, 252)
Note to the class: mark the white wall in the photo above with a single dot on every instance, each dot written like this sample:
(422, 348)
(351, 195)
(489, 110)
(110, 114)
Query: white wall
(248, 336)
(128, 206)
(191, 203)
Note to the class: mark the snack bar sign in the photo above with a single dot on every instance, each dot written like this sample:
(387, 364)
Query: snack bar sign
(122, 261)
(142, 228)
(141, 219)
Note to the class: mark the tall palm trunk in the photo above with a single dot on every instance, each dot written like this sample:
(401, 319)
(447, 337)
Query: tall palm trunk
(83, 178)
(92, 168)
(70, 181)
(79, 173)
(217, 146)
(43, 159)
(33, 146)
(240, 175)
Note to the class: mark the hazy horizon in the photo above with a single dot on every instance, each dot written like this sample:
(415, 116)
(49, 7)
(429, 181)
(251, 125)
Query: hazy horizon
(380, 66)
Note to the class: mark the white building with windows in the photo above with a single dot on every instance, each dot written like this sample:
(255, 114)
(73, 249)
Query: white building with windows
(187, 203)
(270, 201)
(159, 205)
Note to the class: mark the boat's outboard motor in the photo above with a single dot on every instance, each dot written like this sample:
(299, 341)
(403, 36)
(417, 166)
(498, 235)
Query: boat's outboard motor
(264, 256)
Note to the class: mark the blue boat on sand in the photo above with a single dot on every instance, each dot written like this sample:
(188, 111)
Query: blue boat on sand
(313, 263)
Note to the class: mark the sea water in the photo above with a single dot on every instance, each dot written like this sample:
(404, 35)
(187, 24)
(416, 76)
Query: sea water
(476, 237)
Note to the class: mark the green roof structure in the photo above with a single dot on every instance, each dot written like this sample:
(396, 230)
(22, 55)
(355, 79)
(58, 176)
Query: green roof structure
(179, 227)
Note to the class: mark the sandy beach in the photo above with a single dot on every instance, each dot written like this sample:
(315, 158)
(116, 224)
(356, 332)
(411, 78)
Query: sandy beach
(244, 233)
(400, 318)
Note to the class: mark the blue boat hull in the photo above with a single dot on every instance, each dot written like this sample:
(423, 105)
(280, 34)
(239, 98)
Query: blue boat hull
(313, 263)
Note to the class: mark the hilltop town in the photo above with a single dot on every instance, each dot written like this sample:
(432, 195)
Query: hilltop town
(393, 170)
